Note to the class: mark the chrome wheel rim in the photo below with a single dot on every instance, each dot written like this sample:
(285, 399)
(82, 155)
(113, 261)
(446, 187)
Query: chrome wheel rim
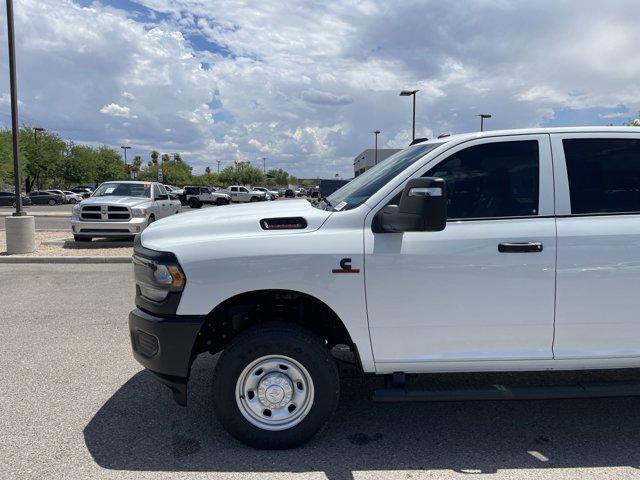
(274, 392)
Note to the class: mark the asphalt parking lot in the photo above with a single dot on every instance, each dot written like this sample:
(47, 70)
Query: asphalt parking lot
(74, 404)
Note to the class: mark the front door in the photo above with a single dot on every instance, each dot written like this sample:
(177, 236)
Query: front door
(483, 288)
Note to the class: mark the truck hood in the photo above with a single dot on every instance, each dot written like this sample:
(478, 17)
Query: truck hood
(230, 221)
(115, 200)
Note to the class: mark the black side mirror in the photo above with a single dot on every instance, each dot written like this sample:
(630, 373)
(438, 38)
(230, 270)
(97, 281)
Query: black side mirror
(162, 197)
(422, 208)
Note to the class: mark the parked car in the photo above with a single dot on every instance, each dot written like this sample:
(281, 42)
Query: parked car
(273, 194)
(85, 192)
(288, 193)
(72, 197)
(241, 194)
(281, 191)
(42, 197)
(494, 251)
(59, 192)
(8, 199)
(174, 190)
(196, 196)
(121, 209)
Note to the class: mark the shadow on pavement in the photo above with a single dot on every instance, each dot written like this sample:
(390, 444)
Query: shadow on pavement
(141, 429)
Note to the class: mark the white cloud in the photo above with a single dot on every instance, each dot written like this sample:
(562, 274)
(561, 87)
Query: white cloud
(116, 110)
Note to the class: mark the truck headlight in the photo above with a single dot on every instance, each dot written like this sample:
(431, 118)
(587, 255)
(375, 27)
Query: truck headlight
(156, 280)
(139, 212)
(76, 209)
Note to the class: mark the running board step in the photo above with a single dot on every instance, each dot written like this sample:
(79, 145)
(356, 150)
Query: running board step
(502, 392)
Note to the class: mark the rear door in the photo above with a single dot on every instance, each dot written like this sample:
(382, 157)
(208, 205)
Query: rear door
(598, 277)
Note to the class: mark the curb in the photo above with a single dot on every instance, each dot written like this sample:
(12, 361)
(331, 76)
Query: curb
(40, 214)
(77, 260)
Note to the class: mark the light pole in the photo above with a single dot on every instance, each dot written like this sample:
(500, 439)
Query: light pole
(125, 148)
(376, 132)
(264, 165)
(14, 109)
(409, 93)
(482, 117)
(218, 166)
(20, 229)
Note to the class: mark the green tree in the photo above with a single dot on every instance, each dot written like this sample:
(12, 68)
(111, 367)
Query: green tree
(107, 165)
(77, 166)
(165, 157)
(241, 174)
(154, 156)
(278, 176)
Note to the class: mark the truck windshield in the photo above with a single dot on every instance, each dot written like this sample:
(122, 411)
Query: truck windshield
(358, 190)
(124, 190)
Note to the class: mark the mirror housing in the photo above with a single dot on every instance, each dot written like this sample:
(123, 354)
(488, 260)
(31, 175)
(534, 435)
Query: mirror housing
(162, 197)
(422, 208)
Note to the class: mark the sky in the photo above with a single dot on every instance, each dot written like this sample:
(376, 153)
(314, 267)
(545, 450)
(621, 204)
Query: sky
(305, 83)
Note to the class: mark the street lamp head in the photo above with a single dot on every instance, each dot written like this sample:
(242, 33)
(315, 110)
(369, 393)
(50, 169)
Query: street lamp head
(38, 129)
(484, 115)
(377, 132)
(408, 93)
(126, 147)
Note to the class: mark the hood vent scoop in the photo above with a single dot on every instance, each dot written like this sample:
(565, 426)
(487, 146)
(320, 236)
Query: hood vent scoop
(286, 223)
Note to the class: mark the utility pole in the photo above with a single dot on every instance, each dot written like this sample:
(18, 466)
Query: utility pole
(218, 166)
(264, 165)
(377, 132)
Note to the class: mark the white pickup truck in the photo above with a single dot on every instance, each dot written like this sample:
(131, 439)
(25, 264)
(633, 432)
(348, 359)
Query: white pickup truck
(498, 251)
(121, 209)
(241, 194)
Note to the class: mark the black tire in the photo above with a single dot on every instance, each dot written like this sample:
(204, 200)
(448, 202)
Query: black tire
(73, 201)
(195, 203)
(52, 202)
(222, 201)
(78, 238)
(296, 343)
(254, 199)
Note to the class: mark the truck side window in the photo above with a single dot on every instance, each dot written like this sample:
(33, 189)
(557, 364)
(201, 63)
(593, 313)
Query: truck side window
(156, 191)
(604, 174)
(492, 180)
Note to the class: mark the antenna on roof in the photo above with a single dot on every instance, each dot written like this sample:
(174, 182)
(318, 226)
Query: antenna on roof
(418, 140)
(443, 135)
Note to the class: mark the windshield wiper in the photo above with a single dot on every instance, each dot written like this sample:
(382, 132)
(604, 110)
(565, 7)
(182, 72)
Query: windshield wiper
(328, 204)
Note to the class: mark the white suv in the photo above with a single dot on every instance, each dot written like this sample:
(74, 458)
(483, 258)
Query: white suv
(495, 251)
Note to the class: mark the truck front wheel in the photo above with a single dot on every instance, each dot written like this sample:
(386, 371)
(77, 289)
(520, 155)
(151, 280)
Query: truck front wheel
(275, 386)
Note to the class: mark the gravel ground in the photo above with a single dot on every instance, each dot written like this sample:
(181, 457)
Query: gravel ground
(101, 248)
(74, 405)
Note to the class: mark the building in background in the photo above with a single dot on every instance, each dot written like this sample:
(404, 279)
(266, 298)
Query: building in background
(367, 159)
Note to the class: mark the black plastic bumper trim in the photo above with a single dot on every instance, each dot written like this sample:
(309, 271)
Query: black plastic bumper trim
(176, 338)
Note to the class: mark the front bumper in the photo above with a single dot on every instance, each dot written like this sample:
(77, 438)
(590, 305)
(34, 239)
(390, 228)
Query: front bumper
(108, 229)
(164, 345)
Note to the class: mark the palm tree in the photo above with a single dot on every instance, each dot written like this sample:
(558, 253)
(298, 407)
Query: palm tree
(154, 156)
